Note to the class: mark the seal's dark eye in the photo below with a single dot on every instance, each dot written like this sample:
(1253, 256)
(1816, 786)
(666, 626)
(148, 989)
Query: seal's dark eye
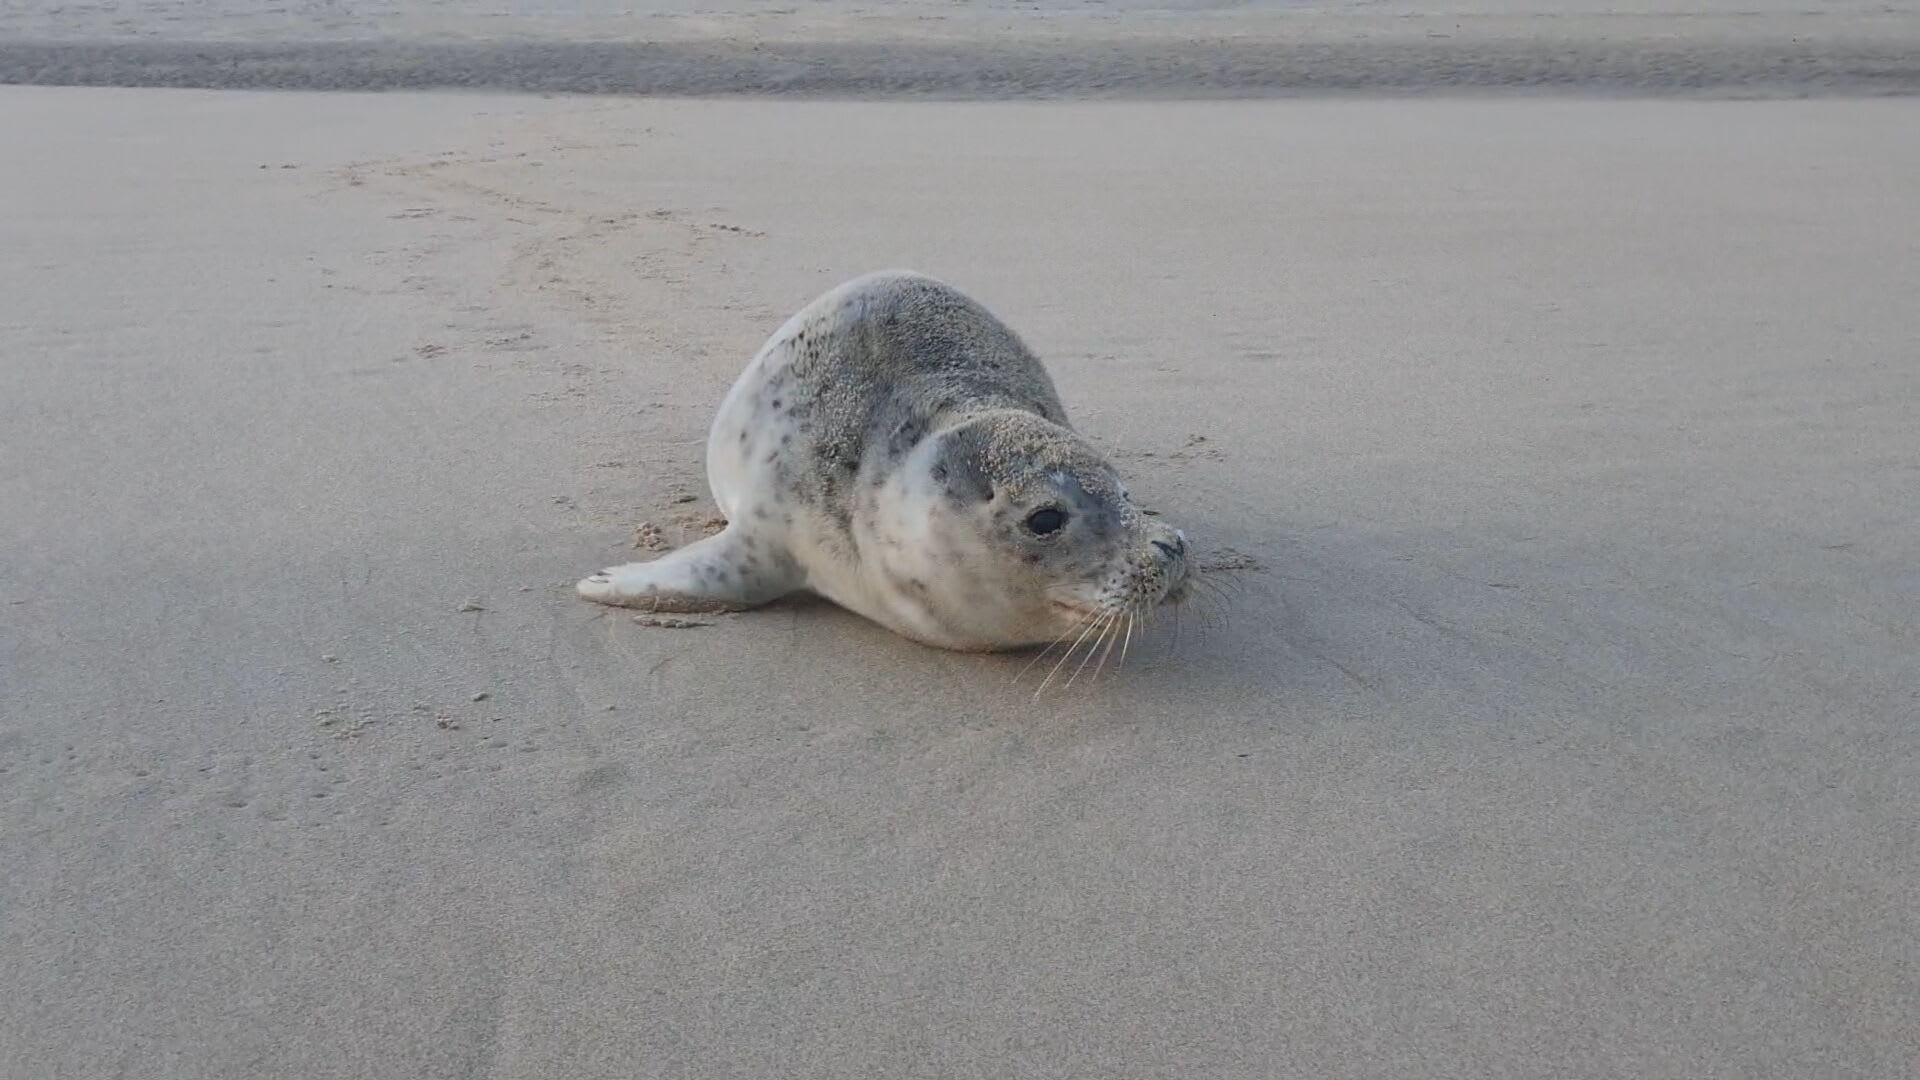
(1042, 522)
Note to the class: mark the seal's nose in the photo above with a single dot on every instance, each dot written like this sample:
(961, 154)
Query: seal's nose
(1173, 550)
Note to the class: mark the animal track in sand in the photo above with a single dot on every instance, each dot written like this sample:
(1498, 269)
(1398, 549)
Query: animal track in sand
(1227, 558)
(648, 536)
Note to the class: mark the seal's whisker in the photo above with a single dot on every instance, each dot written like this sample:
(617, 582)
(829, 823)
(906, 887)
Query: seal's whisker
(1104, 624)
(1047, 648)
(1212, 600)
(1064, 657)
(1211, 620)
(1196, 609)
(1098, 637)
(1214, 586)
(1113, 638)
(1051, 645)
(1204, 618)
(1126, 644)
(1218, 580)
(1212, 608)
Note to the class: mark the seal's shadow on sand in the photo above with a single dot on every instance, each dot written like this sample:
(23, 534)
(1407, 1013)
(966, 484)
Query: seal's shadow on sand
(1451, 627)
(1446, 628)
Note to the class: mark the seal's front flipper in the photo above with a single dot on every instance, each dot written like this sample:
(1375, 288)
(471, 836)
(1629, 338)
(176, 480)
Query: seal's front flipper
(728, 572)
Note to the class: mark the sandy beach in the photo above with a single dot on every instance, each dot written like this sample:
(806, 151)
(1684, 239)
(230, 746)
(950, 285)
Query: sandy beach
(1556, 460)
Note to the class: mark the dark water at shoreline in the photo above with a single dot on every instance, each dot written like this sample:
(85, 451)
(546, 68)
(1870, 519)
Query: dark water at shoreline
(1099, 48)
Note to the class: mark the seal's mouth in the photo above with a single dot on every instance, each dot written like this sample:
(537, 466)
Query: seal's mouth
(1076, 611)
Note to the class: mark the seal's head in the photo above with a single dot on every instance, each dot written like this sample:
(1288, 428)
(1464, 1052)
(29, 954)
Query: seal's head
(1008, 530)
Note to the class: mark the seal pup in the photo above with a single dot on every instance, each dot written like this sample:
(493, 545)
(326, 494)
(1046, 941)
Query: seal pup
(896, 449)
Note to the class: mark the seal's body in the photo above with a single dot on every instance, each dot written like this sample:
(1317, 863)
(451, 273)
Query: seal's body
(896, 449)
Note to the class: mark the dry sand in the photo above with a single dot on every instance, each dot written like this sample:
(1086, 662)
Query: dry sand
(1564, 724)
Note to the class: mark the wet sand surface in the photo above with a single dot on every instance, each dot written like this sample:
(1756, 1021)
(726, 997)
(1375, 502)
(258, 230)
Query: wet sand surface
(1556, 717)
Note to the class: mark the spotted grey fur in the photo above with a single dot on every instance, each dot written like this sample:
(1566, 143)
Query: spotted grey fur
(887, 448)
